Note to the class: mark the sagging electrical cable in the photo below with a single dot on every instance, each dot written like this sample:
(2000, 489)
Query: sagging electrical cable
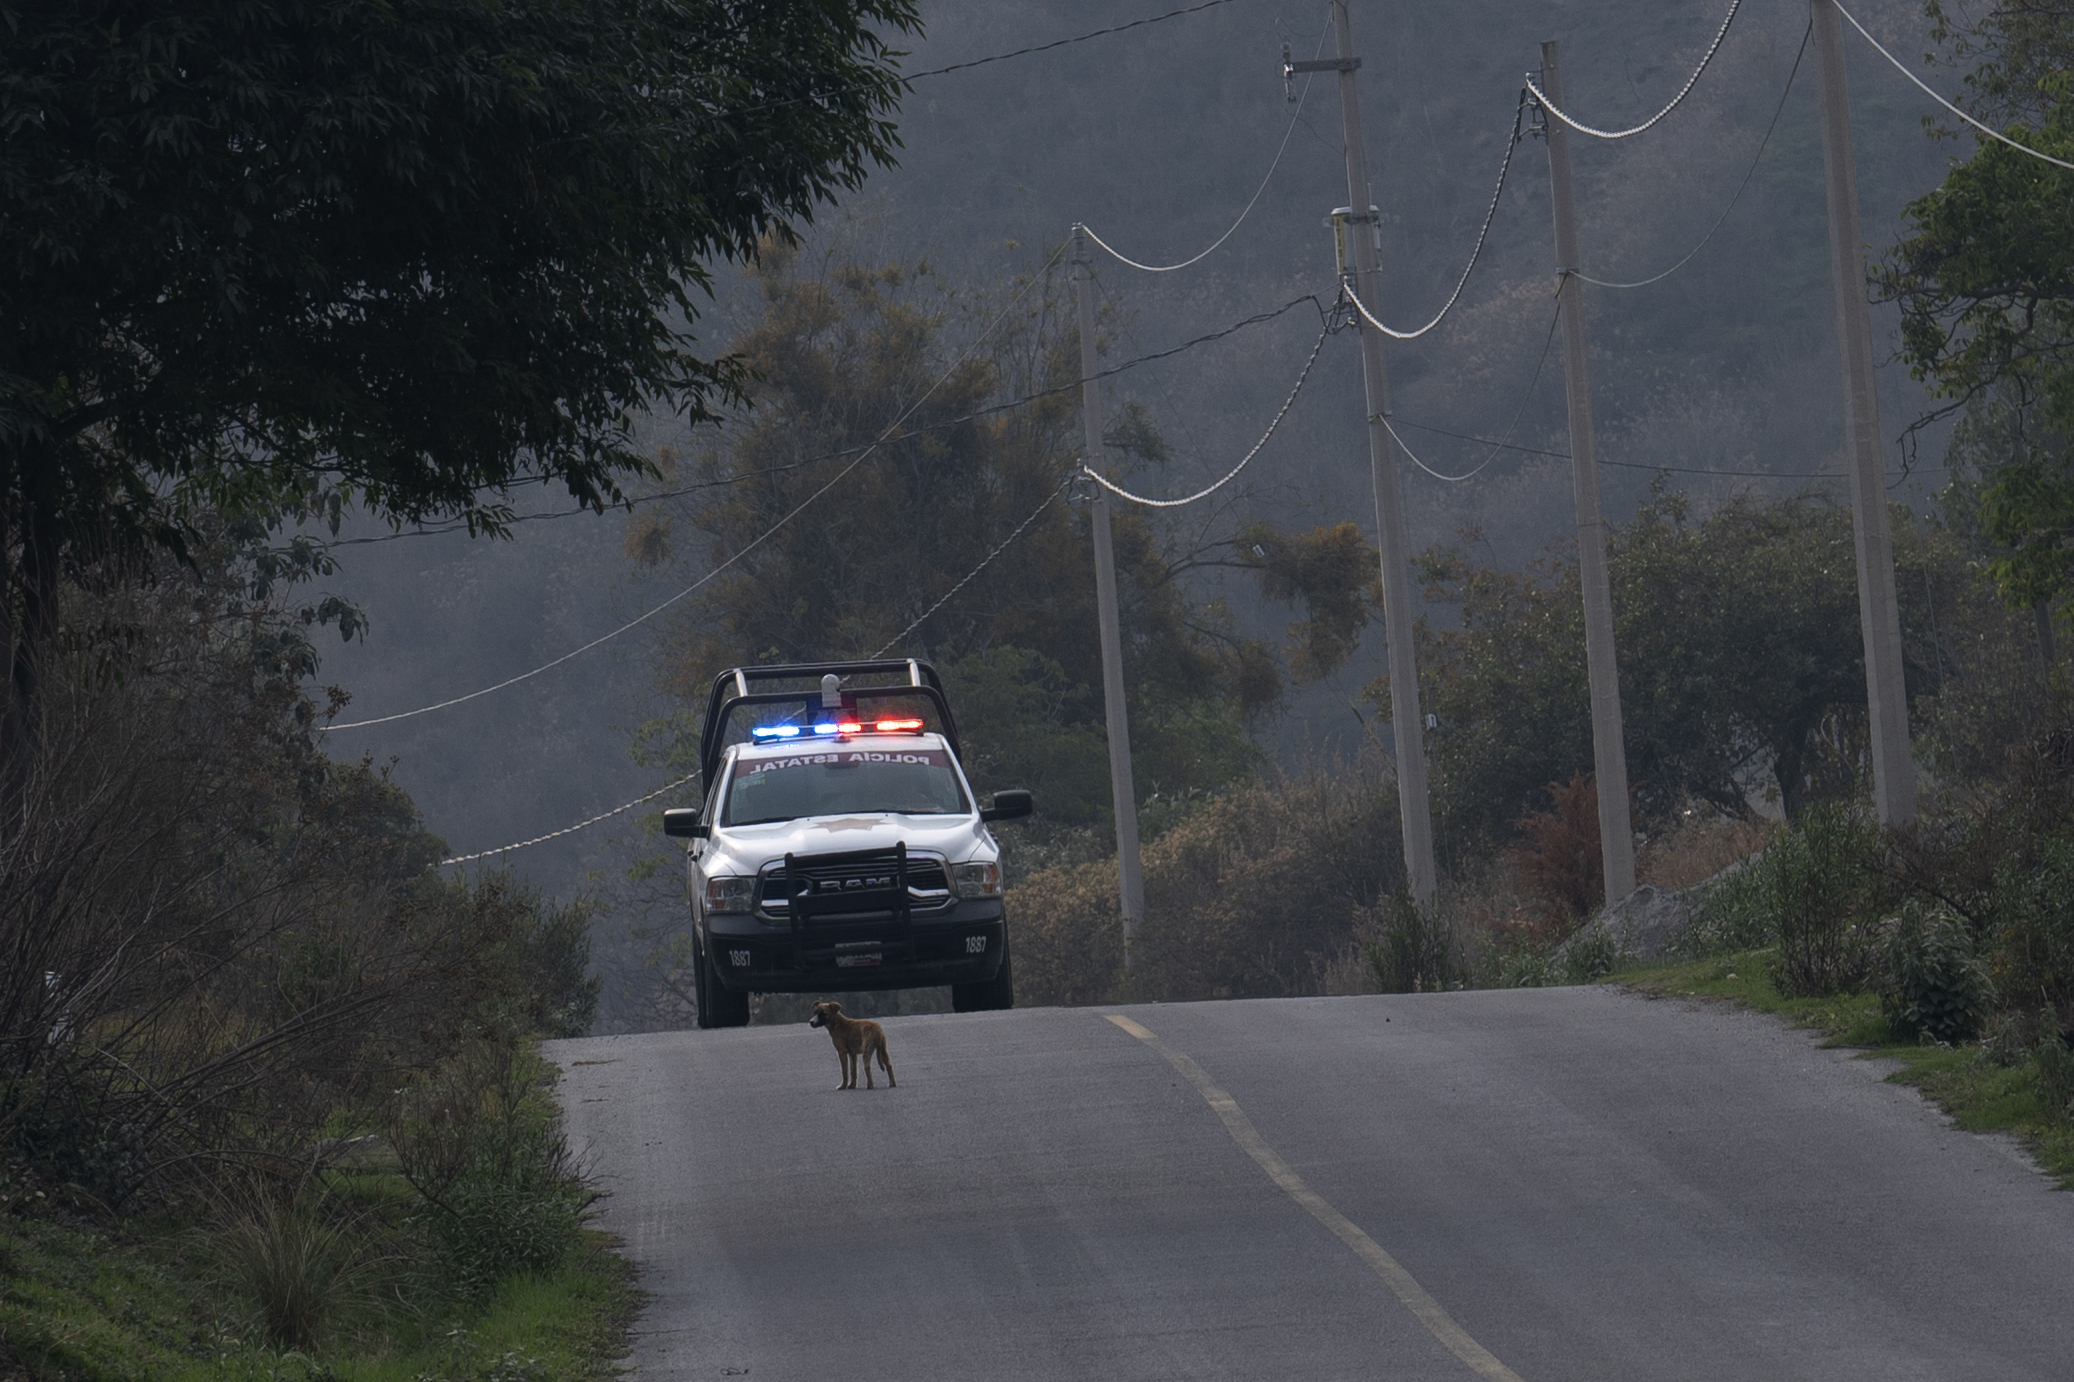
(1649, 465)
(1324, 330)
(999, 547)
(1683, 91)
(1490, 214)
(1984, 129)
(905, 77)
(746, 549)
(966, 579)
(1504, 442)
(571, 829)
(1198, 258)
(866, 451)
(990, 410)
(1752, 172)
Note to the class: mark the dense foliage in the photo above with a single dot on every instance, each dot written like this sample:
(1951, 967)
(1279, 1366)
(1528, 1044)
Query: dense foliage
(403, 254)
(1985, 280)
(216, 938)
(1740, 662)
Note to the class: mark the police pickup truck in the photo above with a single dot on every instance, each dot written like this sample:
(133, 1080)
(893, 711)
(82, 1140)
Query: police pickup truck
(839, 846)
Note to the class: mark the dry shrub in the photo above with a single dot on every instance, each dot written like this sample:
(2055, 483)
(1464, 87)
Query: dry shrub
(1068, 935)
(1699, 846)
(1557, 860)
(1255, 893)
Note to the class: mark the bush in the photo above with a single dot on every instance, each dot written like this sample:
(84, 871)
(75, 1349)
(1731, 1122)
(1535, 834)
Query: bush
(1254, 893)
(2031, 955)
(1066, 930)
(2056, 1076)
(480, 1140)
(1933, 983)
(1809, 894)
(1412, 949)
(1558, 859)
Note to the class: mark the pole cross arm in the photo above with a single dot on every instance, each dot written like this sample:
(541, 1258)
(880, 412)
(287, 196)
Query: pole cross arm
(1297, 69)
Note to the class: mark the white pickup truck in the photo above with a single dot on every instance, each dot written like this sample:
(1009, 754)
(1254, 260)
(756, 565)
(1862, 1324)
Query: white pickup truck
(839, 846)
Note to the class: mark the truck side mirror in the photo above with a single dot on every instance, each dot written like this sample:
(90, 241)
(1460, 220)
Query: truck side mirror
(683, 822)
(1010, 804)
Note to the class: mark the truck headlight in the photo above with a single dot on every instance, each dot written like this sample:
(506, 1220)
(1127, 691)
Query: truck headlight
(977, 880)
(729, 894)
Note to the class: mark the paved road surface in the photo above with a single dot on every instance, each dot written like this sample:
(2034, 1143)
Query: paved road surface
(1543, 1184)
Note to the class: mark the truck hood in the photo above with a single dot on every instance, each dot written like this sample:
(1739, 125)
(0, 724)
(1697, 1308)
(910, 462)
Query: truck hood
(747, 848)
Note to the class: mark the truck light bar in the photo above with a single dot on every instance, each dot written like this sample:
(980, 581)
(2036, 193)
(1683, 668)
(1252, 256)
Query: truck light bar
(837, 728)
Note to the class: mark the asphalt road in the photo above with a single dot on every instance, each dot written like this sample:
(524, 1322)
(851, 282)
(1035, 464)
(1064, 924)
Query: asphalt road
(1542, 1184)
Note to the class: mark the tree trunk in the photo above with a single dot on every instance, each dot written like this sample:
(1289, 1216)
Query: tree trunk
(29, 609)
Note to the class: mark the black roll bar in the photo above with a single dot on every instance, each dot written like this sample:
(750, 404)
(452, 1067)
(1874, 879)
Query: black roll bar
(736, 687)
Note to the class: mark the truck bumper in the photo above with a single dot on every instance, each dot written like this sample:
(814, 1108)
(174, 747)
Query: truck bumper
(962, 945)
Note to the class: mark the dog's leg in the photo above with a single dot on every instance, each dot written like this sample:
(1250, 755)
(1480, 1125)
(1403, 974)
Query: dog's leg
(864, 1059)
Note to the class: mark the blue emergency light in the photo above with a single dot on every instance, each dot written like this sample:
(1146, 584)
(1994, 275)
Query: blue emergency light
(835, 728)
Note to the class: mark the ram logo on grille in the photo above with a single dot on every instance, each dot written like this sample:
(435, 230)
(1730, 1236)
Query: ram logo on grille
(830, 885)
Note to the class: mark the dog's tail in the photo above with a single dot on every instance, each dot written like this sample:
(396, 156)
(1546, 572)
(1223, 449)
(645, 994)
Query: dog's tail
(885, 1065)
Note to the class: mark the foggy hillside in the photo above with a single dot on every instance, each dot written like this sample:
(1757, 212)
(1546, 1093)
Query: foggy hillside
(1156, 138)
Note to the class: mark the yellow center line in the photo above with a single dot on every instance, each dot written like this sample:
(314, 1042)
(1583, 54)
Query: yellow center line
(1415, 1297)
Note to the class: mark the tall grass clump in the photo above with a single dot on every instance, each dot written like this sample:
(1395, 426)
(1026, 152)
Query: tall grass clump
(299, 1257)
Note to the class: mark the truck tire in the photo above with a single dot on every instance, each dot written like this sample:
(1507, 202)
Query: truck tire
(719, 1006)
(988, 995)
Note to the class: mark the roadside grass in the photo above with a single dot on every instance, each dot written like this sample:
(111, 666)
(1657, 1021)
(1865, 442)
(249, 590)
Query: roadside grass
(79, 1305)
(1977, 1093)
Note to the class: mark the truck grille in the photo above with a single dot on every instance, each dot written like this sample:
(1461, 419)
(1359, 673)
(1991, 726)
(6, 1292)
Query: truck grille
(870, 882)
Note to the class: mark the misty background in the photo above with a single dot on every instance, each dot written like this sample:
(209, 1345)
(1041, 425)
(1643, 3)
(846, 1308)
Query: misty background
(1720, 378)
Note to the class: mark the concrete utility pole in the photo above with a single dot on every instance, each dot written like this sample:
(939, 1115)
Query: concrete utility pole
(1122, 791)
(1879, 618)
(1609, 751)
(1407, 730)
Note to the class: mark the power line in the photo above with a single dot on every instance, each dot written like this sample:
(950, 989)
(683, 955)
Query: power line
(1482, 235)
(947, 423)
(1063, 42)
(758, 541)
(866, 452)
(1195, 259)
(1020, 528)
(461, 524)
(1503, 443)
(1637, 465)
(903, 78)
(570, 829)
(1723, 217)
(966, 579)
(1683, 91)
(1991, 133)
(1287, 403)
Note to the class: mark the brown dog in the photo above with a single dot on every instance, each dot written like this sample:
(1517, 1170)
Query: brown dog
(855, 1041)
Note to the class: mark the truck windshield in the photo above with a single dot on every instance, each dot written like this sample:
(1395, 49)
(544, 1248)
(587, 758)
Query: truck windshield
(840, 781)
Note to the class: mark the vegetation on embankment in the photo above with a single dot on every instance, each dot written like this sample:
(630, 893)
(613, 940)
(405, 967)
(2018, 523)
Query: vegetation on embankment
(270, 1100)
(144, 1304)
(1984, 1088)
